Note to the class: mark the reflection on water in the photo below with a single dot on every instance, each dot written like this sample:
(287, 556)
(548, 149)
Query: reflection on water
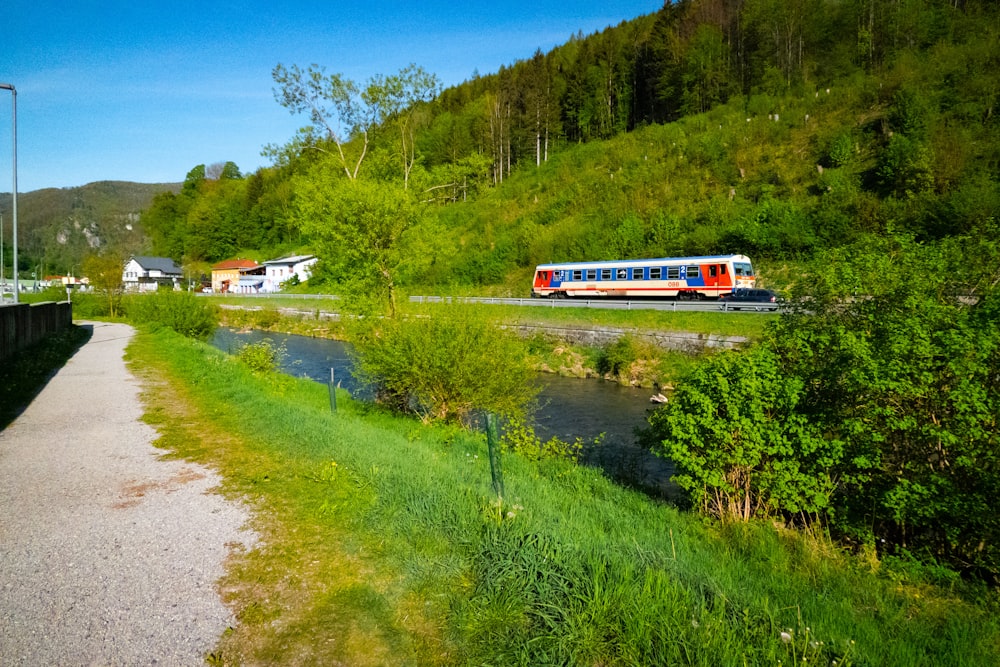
(569, 408)
(304, 357)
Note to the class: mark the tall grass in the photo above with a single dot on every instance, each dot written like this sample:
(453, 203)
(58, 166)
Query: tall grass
(384, 544)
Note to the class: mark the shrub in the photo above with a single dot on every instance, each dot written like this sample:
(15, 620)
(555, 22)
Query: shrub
(616, 358)
(262, 356)
(740, 446)
(445, 366)
(181, 311)
(520, 437)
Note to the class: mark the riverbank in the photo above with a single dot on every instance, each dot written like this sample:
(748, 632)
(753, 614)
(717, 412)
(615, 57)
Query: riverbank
(660, 346)
(384, 542)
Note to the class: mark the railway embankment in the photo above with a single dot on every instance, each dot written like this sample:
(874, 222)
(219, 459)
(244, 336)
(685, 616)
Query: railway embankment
(588, 336)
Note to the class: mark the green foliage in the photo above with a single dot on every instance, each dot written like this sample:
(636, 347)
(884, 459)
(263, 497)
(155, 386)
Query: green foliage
(105, 273)
(616, 358)
(520, 437)
(182, 312)
(904, 168)
(86, 304)
(396, 544)
(446, 365)
(360, 229)
(740, 445)
(841, 150)
(876, 405)
(261, 357)
(906, 377)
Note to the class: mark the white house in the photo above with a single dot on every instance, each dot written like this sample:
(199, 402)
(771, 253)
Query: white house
(278, 271)
(146, 274)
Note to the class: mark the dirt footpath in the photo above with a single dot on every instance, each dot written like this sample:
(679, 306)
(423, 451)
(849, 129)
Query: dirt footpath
(109, 555)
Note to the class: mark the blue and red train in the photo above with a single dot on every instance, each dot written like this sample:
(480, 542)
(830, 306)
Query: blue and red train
(668, 278)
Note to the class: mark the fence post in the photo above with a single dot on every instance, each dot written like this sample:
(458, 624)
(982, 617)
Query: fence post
(333, 393)
(493, 442)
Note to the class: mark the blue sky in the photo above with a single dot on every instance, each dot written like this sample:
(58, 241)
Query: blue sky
(144, 91)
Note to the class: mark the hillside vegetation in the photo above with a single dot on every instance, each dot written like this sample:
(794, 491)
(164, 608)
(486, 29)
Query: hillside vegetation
(777, 129)
(58, 227)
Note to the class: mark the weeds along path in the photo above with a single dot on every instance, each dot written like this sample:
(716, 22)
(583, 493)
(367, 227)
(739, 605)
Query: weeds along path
(110, 553)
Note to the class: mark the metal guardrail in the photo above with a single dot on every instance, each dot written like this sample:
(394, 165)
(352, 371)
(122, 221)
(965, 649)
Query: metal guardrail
(270, 295)
(608, 304)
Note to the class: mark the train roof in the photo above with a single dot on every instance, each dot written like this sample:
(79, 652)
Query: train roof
(612, 263)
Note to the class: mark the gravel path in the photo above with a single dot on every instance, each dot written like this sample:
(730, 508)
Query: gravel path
(108, 554)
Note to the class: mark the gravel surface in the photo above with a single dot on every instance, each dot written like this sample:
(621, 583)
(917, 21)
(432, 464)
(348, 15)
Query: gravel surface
(109, 555)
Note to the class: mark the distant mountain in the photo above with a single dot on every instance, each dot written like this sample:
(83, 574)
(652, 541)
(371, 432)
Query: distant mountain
(57, 227)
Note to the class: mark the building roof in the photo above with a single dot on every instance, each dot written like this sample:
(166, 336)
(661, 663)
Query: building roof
(296, 259)
(230, 264)
(161, 264)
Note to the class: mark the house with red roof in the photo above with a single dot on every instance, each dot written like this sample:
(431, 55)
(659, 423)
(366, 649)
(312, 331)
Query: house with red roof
(242, 276)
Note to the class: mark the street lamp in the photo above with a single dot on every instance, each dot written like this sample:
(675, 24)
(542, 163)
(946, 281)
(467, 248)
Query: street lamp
(13, 97)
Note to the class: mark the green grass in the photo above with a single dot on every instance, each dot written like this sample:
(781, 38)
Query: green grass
(382, 543)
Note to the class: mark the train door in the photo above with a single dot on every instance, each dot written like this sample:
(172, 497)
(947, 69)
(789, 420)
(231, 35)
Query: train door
(717, 279)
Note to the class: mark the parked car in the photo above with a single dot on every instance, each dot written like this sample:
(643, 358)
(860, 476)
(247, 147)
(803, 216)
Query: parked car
(742, 297)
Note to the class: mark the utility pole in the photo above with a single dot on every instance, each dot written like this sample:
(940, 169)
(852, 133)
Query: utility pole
(13, 101)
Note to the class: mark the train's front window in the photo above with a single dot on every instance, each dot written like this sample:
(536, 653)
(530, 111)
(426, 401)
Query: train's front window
(743, 269)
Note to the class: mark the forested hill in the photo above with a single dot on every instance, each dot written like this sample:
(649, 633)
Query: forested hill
(771, 127)
(57, 227)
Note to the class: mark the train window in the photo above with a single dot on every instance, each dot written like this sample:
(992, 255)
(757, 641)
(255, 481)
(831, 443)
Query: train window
(722, 269)
(605, 274)
(692, 272)
(673, 273)
(557, 275)
(712, 271)
(591, 274)
(622, 274)
(578, 275)
(637, 274)
(655, 273)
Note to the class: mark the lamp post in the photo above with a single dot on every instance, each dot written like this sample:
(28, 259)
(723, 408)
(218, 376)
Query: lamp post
(13, 97)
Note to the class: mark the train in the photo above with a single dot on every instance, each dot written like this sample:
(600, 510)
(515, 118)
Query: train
(665, 278)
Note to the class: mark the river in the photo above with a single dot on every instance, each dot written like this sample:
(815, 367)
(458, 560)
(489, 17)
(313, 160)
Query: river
(568, 408)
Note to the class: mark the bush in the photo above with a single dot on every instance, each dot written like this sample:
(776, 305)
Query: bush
(616, 358)
(262, 356)
(740, 445)
(520, 437)
(445, 366)
(181, 311)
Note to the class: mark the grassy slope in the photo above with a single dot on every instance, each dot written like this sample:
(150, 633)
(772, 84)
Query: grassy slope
(383, 544)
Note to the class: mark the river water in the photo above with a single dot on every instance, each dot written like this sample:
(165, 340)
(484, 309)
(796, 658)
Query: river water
(568, 408)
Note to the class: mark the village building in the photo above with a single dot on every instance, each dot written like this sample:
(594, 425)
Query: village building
(147, 274)
(240, 276)
(296, 269)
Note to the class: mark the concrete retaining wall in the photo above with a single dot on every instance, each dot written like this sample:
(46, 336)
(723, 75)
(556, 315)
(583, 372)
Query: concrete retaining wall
(23, 324)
